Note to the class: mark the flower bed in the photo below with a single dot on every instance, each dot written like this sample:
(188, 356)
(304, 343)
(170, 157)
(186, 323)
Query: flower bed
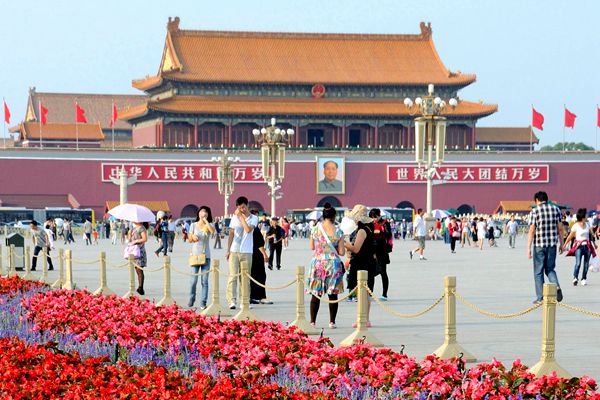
(35, 371)
(10, 287)
(251, 353)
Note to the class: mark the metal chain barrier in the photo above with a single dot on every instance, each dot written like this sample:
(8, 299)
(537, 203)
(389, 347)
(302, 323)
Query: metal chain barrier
(189, 273)
(287, 285)
(149, 270)
(339, 300)
(399, 315)
(495, 315)
(579, 310)
(86, 262)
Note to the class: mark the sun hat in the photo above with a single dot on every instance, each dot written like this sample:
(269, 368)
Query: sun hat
(359, 213)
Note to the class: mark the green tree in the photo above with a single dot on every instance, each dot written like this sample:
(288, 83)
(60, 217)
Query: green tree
(569, 146)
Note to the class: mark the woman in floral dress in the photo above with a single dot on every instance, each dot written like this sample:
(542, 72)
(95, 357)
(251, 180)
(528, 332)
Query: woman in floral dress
(326, 269)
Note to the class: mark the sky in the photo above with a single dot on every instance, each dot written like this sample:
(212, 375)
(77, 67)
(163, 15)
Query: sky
(524, 53)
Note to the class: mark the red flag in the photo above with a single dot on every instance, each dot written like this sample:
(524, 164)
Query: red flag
(598, 122)
(569, 119)
(80, 115)
(6, 114)
(43, 112)
(113, 117)
(537, 120)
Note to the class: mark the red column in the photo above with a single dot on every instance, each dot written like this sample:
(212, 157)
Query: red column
(376, 135)
(408, 137)
(344, 135)
(472, 137)
(230, 135)
(195, 138)
(297, 135)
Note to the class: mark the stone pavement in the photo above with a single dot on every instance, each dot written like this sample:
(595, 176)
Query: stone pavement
(496, 279)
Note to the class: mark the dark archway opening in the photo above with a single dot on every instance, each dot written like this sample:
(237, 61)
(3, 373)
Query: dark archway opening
(466, 209)
(255, 205)
(405, 204)
(334, 201)
(189, 211)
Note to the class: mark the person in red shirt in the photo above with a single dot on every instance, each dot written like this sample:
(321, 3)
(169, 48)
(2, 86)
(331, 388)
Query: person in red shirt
(454, 231)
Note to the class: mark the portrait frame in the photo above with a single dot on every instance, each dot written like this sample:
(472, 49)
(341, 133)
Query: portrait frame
(340, 178)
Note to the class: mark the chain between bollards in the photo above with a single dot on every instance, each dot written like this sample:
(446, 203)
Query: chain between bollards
(167, 298)
(300, 322)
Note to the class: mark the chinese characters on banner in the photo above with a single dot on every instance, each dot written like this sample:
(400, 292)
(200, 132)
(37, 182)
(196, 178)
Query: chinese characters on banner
(194, 173)
(478, 173)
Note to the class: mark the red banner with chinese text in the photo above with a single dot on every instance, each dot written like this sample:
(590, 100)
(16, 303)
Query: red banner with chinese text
(181, 173)
(471, 173)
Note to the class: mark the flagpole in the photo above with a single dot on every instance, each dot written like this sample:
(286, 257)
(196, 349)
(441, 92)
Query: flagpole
(597, 123)
(113, 125)
(4, 119)
(564, 112)
(40, 111)
(76, 128)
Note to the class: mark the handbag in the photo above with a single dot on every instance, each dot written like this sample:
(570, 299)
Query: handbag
(132, 249)
(199, 259)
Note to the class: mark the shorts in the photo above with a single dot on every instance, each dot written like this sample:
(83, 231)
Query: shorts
(421, 241)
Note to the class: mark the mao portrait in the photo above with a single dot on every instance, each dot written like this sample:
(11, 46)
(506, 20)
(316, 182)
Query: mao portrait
(331, 175)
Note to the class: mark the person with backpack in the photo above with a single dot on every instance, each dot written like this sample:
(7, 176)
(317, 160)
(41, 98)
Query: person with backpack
(162, 230)
(383, 248)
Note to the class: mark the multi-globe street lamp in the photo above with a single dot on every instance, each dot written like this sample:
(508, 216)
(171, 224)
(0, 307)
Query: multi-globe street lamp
(225, 176)
(273, 141)
(430, 107)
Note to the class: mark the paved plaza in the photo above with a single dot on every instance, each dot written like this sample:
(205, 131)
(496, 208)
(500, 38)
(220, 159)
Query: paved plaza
(498, 279)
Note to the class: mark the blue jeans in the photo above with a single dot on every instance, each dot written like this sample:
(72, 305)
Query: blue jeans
(203, 282)
(544, 262)
(164, 243)
(582, 252)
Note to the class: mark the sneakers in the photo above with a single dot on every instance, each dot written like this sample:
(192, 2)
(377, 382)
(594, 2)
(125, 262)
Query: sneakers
(254, 301)
(583, 282)
(410, 253)
(140, 291)
(265, 301)
(332, 325)
(422, 258)
(537, 302)
(559, 295)
(270, 267)
(383, 298)
(190, 303)
(312, 324)
(575, 281)
(232, 306)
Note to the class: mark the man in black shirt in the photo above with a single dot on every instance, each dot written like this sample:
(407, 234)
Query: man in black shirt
(275, 236)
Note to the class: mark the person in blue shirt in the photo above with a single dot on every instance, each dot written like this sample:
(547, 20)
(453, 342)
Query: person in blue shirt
(163, 230)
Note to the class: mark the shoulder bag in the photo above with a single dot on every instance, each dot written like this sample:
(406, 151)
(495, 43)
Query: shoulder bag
(199, 259)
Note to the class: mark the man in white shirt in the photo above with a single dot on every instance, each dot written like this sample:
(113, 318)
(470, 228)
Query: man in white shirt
(511, 230)
(239, 246)
(419, 234)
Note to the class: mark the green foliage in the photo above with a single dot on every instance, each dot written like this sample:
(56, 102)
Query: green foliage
(569, 146)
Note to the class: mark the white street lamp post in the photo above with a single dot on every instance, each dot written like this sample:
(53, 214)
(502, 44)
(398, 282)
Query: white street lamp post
(225, 177)
(430, 108)
(273, 157)
(124, 182)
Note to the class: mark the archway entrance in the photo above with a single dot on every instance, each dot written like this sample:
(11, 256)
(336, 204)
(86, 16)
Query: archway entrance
(334, 201)
(189, 211)
(405, 204)
(465, 209)
(255, 205)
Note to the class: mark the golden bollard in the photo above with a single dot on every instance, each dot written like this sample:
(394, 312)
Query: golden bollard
(167, 298)
(300, 322)
(28, 275)
(362, 334)
(68, 283)
(61, 270)
(131, 267)
(547, 363)
(1, 255)
(451, 348)
(215, 307)
(12, 269)
(103, 289)
(44, 277)
(245, 313)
